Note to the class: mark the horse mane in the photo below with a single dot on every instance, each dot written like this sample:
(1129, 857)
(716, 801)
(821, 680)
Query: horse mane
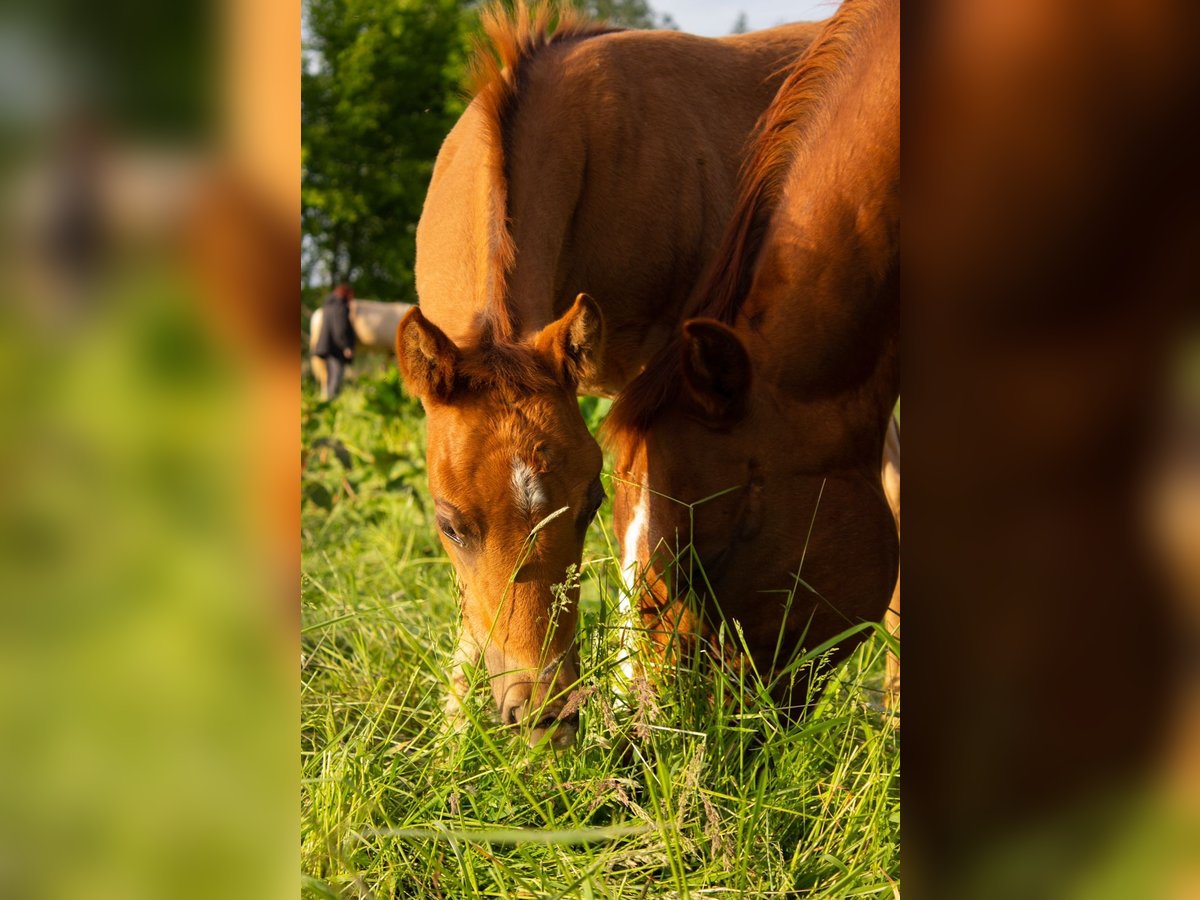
(779, 136)
(513, 35)
(505, 370)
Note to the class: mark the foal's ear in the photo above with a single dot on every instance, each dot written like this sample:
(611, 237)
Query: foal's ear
(576, 341)
(716, 369)
(428, 359)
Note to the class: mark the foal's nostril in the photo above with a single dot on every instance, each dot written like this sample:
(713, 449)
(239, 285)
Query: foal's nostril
(560, 732)
(514, 714)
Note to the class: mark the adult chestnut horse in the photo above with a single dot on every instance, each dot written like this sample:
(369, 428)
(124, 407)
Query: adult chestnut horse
(775, 401)
(589, 161)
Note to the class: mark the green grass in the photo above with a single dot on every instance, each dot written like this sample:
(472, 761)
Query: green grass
(690, 787)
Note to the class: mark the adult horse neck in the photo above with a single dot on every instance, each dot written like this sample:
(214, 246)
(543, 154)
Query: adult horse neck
(807, 270)
(767, 415)
(821, 317)
(595, 161)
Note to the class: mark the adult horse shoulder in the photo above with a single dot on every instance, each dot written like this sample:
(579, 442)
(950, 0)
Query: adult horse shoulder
(589, 161)
(776, 402)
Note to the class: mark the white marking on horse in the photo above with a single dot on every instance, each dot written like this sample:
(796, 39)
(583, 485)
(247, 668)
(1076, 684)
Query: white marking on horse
(527, 488)
(630, 571)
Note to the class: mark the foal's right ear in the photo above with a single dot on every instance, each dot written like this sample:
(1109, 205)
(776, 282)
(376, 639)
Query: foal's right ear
(716, 370)
(428, 359)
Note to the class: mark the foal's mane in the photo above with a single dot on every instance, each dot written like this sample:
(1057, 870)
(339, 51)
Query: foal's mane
(779, 136)
(503, 369)
(513, 35)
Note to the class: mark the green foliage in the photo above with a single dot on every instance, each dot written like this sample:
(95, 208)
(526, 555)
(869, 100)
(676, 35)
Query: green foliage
(593, 410)
(682, 785)
(626, 13)
(148, 67)
(380, 91)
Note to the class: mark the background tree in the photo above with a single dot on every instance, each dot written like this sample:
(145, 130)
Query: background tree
(379, 92)
(626, 13)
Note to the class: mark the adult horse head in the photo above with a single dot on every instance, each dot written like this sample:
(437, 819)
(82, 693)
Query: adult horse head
(749, 451)
(744, 501)
(589, 160)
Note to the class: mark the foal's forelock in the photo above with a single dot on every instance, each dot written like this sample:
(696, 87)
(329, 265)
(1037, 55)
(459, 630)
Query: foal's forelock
(509, 371)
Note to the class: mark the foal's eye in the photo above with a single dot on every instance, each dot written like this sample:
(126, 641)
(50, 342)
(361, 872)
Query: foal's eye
(449, 531)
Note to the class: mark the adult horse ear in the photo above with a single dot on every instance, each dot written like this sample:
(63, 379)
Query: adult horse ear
(716, 370)
(576, 341)
(427, 358)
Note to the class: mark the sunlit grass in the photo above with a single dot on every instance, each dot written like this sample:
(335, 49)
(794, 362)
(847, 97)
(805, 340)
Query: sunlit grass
(692, 786)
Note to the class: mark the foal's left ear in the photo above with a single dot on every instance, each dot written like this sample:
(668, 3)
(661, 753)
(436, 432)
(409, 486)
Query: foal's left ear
(716, 369)
(576, 341)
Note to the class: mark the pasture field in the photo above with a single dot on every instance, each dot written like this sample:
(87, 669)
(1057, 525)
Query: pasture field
(691, 789)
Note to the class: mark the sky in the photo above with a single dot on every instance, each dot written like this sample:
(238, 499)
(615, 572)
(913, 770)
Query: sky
(716, 17)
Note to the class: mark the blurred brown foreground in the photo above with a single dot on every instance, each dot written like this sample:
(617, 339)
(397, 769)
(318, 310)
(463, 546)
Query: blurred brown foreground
(1052, 735)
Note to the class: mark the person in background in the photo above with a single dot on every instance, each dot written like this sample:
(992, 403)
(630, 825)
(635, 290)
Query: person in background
(337, 340)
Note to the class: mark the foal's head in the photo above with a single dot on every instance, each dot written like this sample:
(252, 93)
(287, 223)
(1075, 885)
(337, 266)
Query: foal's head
(514, 475)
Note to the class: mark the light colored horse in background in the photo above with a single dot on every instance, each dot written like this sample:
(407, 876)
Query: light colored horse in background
(374, 322)
(590, 160)
(749, 453)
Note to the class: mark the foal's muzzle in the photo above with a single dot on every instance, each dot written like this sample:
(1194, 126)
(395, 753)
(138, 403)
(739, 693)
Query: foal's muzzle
(525, 705)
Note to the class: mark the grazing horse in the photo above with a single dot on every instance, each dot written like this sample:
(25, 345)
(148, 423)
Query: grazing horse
(754, 440)
(591, 163)
(374, 323)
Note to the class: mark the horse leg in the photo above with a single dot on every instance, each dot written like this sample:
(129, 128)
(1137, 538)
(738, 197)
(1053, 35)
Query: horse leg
(321, 373)
(337, 369)
(891, 681)
(891, 489)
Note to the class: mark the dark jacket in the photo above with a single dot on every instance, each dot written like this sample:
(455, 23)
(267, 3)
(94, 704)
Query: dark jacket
(337, 334)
